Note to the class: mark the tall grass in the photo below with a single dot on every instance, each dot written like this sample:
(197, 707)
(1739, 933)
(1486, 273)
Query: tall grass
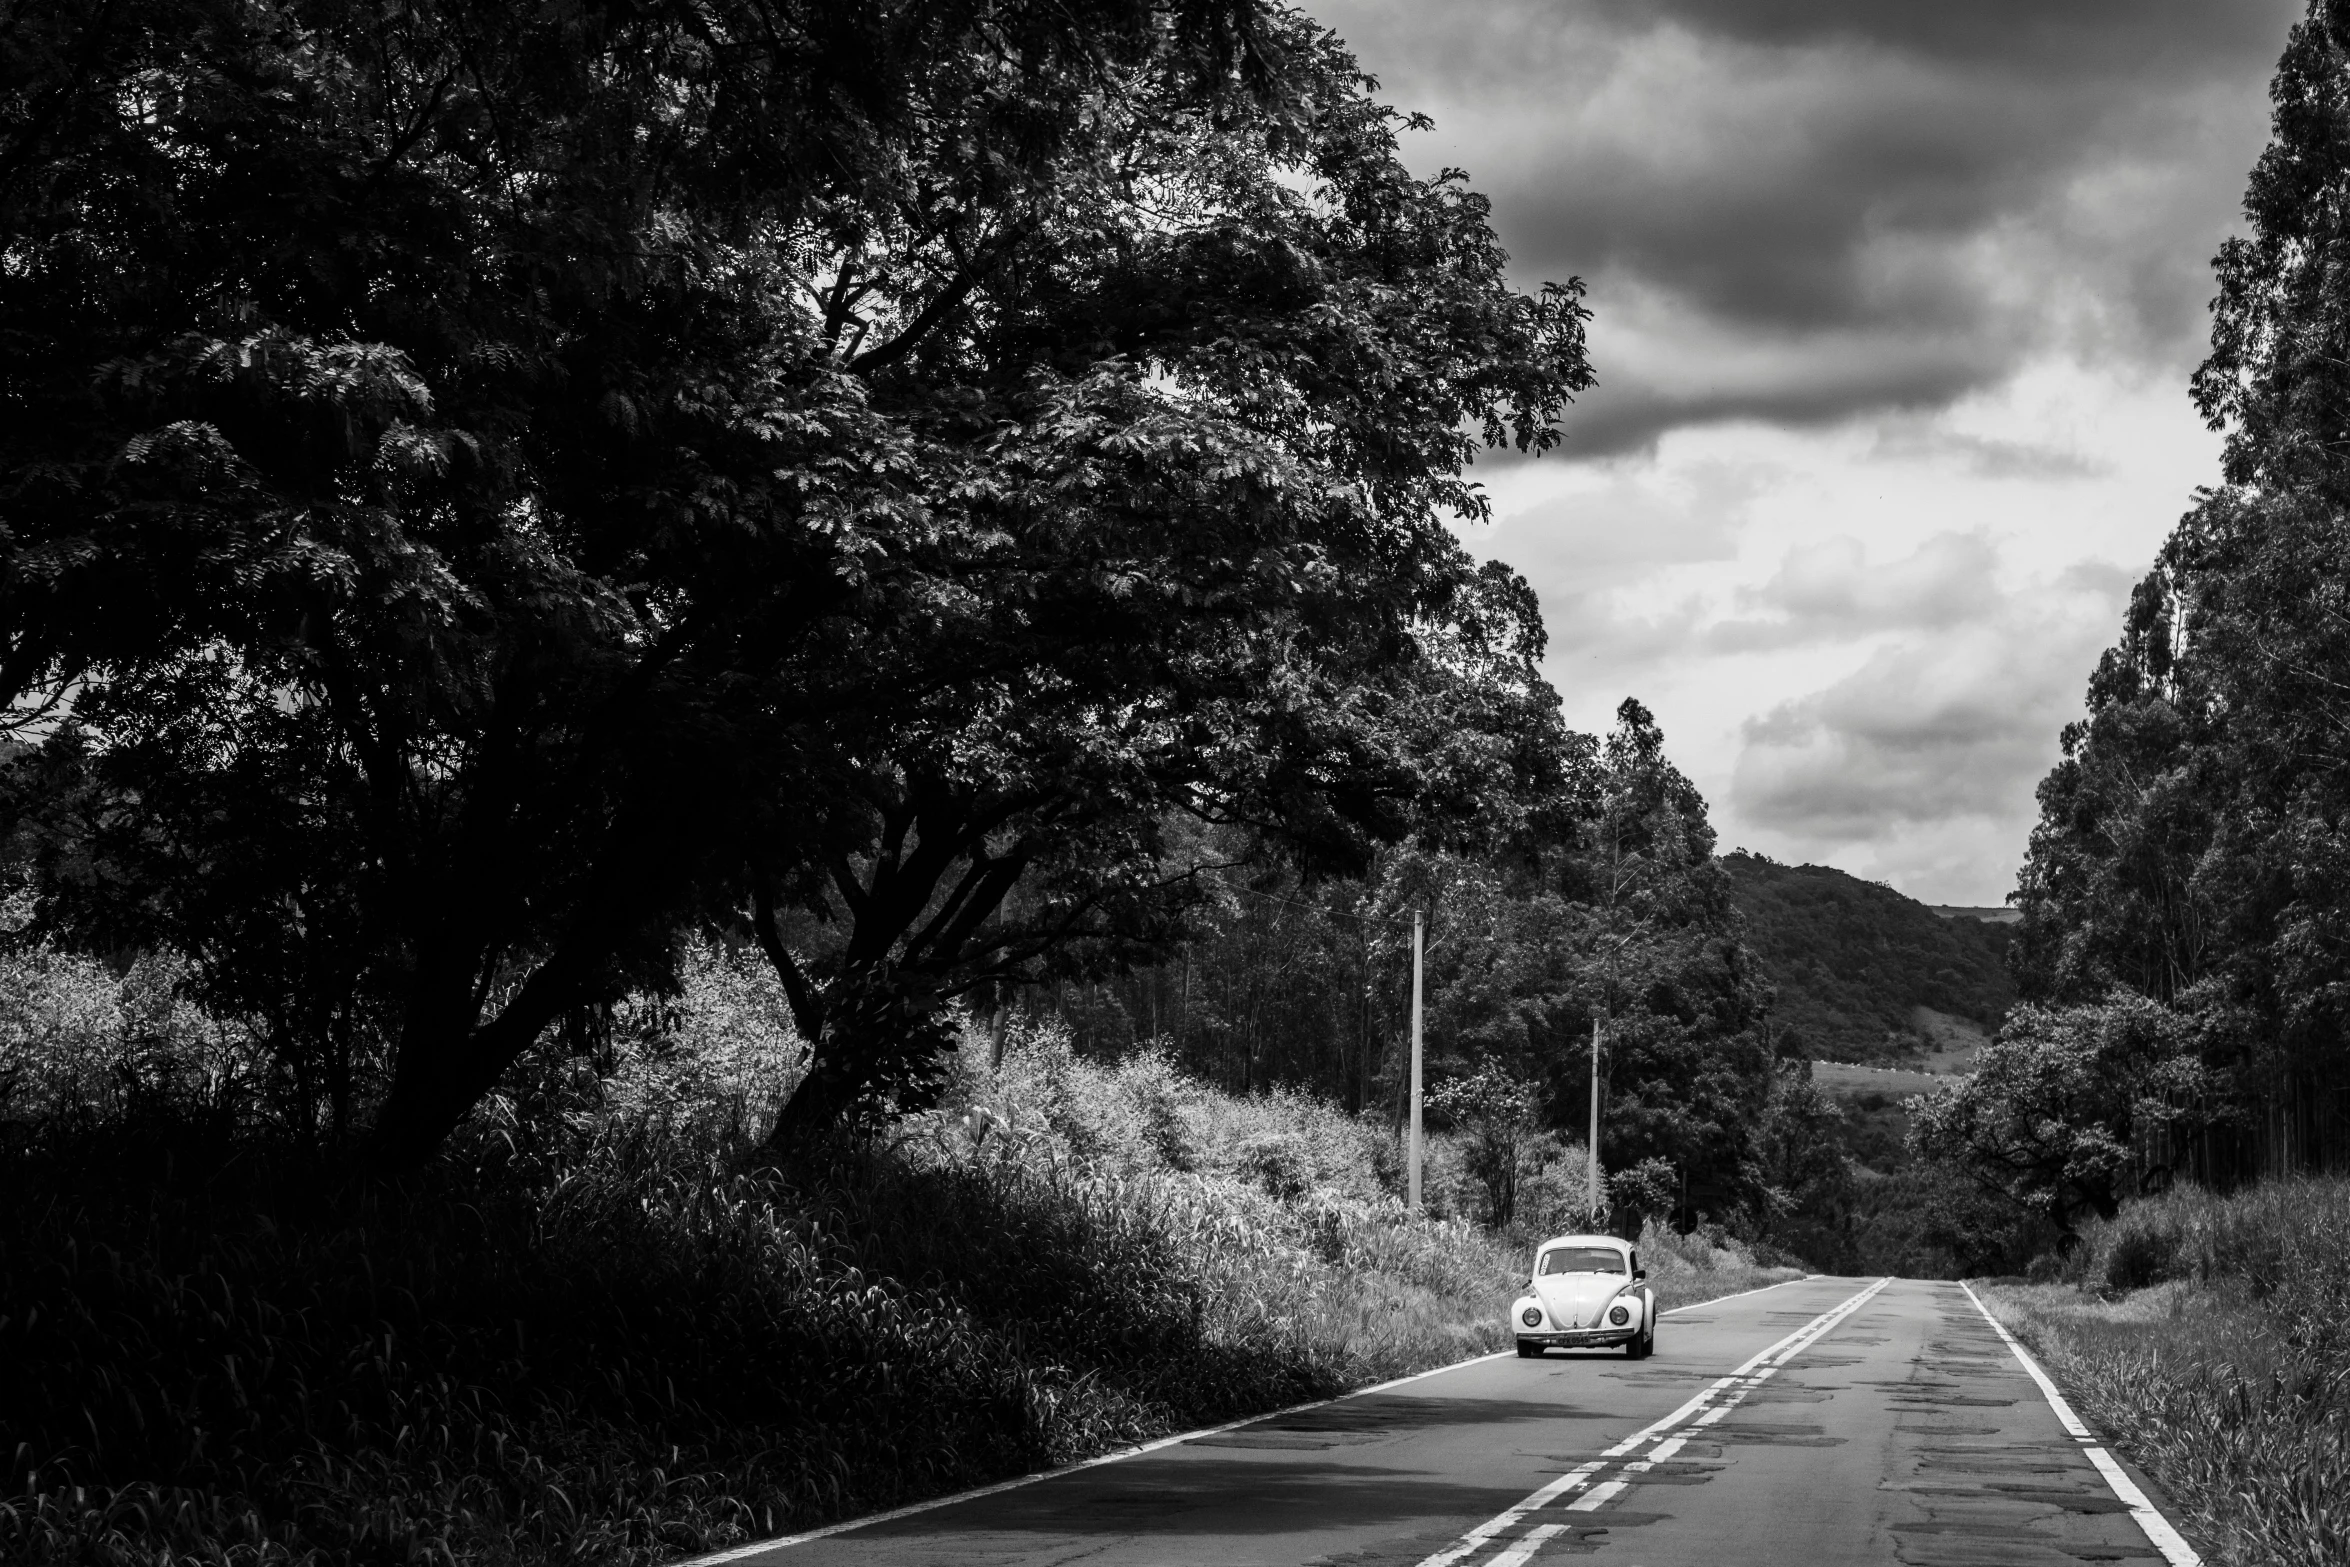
(599, 1333)
(602, 1332)
(2210, 1336)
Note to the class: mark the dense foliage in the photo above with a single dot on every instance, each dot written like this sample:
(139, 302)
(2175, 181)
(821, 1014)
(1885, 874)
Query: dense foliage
(1850, 961)
(1620, 910)
(2059, 1100)
(489, 489)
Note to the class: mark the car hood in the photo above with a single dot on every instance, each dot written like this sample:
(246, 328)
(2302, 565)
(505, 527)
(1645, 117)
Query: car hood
(1575, 1300)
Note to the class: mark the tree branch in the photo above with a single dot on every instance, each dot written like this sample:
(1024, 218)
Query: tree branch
(807, 1008)
(407, 139)
(943, 303)
(845, 879)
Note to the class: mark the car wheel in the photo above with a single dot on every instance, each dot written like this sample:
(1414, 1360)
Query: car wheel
(1527, 1351)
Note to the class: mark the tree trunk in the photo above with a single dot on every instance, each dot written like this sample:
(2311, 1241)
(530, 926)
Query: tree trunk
(432, 1089)
(882, 1039)
(429, 1063)
(820, 1106)
(448, 1059)
(444, 1068)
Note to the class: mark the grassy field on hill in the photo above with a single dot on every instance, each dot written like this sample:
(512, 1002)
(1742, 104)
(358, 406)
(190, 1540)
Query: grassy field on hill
(1854, 962)
(601, 1334)
(2209, 1338)
(1847, 1081)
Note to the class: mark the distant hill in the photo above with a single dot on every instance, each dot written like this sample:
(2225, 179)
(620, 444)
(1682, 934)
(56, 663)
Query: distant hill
(1962, 911)
(1855, 961)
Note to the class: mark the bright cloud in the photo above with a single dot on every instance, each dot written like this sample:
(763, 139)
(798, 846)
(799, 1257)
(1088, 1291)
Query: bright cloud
(1894, 307)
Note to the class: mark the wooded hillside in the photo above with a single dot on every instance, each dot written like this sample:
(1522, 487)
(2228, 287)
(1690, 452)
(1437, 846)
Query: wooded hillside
(1853, 959)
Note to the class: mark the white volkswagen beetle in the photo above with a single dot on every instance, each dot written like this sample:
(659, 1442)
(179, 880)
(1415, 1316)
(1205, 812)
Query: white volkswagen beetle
(1589, 1292)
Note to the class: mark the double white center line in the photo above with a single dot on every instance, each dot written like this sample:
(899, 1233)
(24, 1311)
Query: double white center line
(1710, 1405)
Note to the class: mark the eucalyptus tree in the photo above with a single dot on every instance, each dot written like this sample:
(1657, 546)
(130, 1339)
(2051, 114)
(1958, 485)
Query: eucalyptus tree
(2278, 376)
(1687, 1069)
(2190, 846)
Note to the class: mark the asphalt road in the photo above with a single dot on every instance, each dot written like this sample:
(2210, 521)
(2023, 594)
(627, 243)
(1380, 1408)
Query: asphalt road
(1825, 1422)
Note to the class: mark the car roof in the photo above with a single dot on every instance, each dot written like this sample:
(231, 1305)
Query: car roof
(1618, 1242)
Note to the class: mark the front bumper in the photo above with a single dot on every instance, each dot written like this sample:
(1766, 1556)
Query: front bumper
(1578, 1338)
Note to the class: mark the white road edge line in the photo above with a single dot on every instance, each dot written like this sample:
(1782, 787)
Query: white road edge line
(737, 1553)
(2167, 1540)
(1482, 1535)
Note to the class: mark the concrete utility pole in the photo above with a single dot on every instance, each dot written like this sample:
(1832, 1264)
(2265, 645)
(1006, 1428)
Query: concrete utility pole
(1415, 1175)
(1593, 1189)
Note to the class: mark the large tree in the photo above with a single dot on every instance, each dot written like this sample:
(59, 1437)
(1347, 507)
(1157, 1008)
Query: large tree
(2059, 1101)
(495, 485)
(1687, 1067)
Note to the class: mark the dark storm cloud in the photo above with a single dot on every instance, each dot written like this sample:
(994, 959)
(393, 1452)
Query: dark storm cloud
(1796, 211)
(1777, 223)
(2028, 33)
(1807, 385)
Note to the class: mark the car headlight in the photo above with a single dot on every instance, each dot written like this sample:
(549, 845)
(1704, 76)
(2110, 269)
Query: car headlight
(1619, 1315)
(1531, 1316)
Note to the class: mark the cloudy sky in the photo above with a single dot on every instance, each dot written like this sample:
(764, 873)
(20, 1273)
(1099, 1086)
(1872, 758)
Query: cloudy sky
(1895, 304)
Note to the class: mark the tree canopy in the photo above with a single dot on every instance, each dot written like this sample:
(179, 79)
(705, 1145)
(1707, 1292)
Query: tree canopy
(2061, 1098)
(487, 489)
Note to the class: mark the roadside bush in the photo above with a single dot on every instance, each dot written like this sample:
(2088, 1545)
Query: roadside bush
(2257, 1240)
(81, 1045)
(2210, 1337)
(1499, 1138)
(1683, 1269)
(715, 1059)
(1642, 1190)
(649, 1355)
(1554, 1196)
(2142, 1249)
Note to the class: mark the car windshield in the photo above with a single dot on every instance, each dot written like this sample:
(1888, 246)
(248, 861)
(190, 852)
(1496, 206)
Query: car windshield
(1583, 1259)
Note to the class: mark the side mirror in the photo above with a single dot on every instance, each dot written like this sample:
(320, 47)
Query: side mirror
(1639, 1274)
